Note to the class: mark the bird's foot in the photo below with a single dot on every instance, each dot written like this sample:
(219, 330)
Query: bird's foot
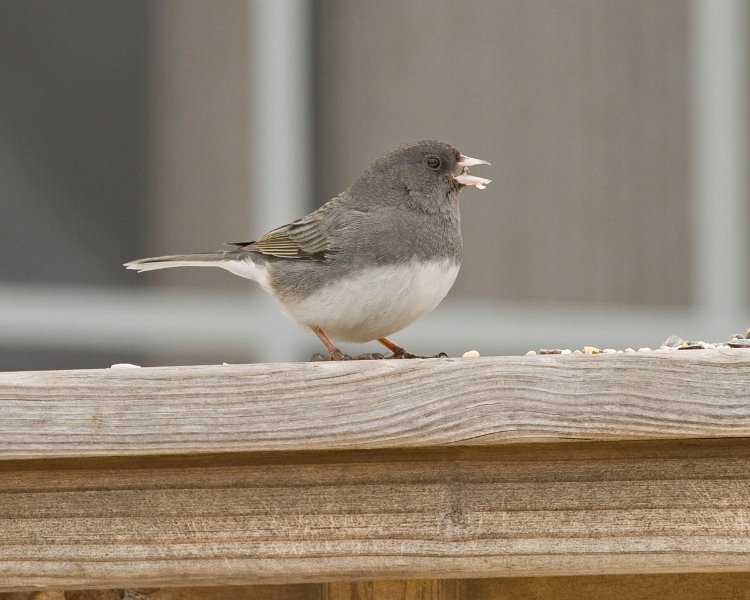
(400, 353)
(336, 355)
(405, 354)
(341, 356)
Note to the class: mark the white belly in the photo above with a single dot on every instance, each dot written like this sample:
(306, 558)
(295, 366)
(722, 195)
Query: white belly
(376, 303)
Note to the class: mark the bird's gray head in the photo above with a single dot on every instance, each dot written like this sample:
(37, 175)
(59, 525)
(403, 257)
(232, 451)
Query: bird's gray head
(426, 171)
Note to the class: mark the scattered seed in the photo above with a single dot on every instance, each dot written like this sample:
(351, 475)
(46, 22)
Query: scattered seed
(672, 341)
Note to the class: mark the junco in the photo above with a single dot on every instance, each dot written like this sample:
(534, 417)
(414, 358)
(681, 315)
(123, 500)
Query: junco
(369, 262)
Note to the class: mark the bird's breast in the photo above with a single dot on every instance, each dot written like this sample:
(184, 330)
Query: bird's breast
(376, 301)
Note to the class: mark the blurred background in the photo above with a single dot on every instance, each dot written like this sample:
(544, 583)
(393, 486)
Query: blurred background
(617, 130)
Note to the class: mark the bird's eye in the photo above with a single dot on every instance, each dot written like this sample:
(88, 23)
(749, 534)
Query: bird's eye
(433, 162)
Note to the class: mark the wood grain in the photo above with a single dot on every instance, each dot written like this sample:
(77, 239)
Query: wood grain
(680, 586)
(235, 592)
(516, 510)
(435, 589)
(375, 404)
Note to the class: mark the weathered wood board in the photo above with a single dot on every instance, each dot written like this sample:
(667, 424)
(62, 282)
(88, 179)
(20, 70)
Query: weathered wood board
(681, 586)
(295, 517)
(380, 404)
(389, 470)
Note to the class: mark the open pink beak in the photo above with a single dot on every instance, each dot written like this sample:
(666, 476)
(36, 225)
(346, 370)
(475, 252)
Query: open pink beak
(465, 179)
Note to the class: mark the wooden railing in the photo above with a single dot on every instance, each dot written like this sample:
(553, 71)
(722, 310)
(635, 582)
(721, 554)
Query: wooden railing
(430, 472)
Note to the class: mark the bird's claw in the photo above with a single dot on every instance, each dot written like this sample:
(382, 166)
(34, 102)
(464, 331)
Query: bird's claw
(338, 356)
(404, 355)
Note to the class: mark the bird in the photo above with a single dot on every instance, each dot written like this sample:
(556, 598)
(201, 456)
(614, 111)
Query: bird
(370, 261)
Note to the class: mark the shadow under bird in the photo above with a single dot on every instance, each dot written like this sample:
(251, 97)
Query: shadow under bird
(369, 262)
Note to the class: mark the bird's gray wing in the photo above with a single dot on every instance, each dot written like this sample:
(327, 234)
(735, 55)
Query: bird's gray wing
(306, 238)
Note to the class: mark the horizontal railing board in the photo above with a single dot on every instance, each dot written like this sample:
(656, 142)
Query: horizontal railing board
(375, 404)
(516, 510)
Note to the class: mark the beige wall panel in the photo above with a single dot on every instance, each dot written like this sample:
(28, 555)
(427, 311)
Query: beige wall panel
(199, 134)
(581, 106)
